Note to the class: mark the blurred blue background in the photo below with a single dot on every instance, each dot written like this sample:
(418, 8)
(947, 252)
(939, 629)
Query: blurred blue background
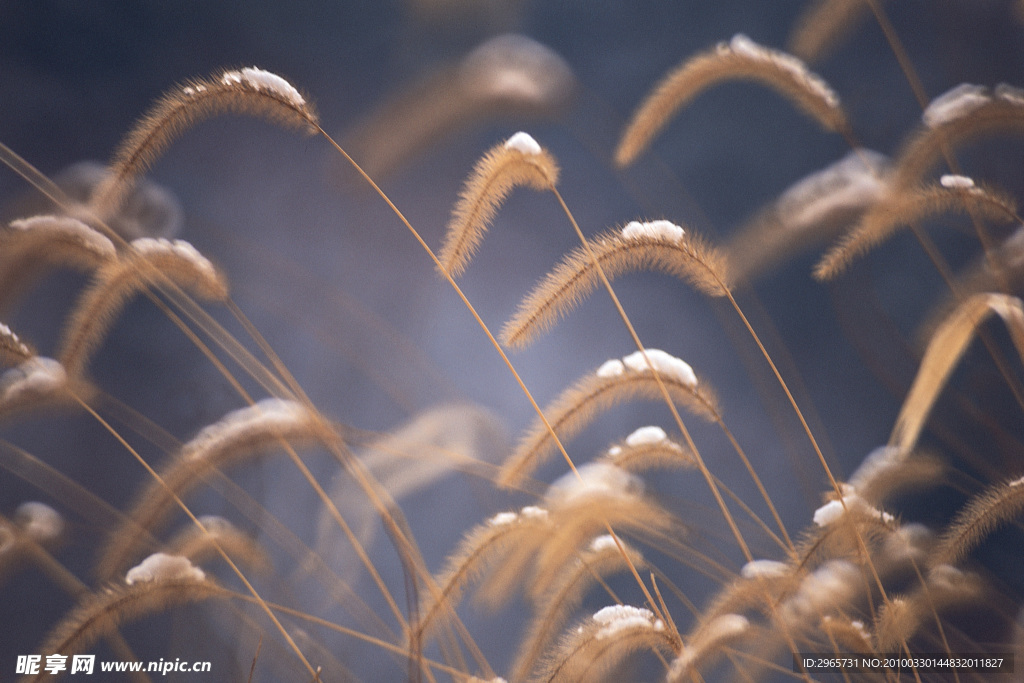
(350, 301)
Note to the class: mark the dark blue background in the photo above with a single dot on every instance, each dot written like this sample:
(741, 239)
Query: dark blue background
(349, 300)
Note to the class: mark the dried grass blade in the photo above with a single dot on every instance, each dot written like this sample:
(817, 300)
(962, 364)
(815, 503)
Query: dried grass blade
(947, 346)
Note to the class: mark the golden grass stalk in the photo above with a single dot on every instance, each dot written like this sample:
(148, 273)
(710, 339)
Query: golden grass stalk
(101, 613)
(942, 588)
(614, 382)
(602, 497)
(809, 212)
(656, 245)
(946, 347)
(649, 448)
(999, 269)
(848, 635)
(508, 77)
(984, 513)
(517, 162)
(251, 91)
(706, 643)
(36, 382)
(482, 548)
(760, 584)
(200, 547)
(146, 262)
(897, 620)
(959, 115)
(29, 245)
(603, 641)
(241, 434)
(739, 59)
(902, 207)
(822, 25)
(601, 559)
(12, 347)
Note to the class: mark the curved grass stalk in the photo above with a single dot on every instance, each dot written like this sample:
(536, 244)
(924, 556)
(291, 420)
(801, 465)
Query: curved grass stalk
(239, 435)
(251, 91)
(594, 394)
(960, 115)
(603, 641)
(898, 208)
(822, 25)
(638, 246)
(946, 347)
(565, 594)
(147, 261)
(195, 520)
(31, 245)
(482, 548)
(519, 161)
(980, 517)
(739, 59)
(101, 613)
